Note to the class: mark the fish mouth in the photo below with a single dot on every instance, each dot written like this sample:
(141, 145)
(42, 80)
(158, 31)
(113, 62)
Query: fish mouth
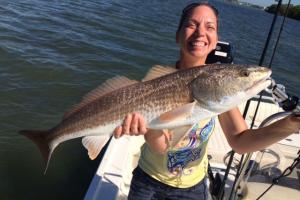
(262, 83)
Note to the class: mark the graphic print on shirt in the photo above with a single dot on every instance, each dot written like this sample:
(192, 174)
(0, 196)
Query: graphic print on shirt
(190, 149)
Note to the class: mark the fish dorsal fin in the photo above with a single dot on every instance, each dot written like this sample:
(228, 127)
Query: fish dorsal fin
(158, 71)
(105, 88)
(94, 144)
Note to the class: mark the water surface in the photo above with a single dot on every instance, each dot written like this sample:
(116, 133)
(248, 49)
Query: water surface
(54, 52)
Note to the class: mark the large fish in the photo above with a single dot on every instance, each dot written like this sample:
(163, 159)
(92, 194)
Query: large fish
(167, 98)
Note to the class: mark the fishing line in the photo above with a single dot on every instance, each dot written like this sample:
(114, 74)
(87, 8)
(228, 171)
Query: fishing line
(279, 34)
(270, 65)
(273, 54)
(262, 58)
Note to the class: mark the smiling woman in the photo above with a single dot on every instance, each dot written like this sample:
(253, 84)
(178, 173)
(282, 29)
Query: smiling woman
(179, 171)
(54, 52)
(197, 34)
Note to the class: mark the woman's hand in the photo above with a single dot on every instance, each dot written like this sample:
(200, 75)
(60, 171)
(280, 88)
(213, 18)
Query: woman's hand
(133, 124)
(293, 122)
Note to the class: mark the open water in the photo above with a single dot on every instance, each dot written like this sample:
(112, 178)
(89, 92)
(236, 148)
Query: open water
(54, 52)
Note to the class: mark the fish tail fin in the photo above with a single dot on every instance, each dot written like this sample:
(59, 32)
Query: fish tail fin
(40, 139)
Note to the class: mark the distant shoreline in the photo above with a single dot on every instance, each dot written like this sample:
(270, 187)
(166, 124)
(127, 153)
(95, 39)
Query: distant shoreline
(293, 11)
(245, 4)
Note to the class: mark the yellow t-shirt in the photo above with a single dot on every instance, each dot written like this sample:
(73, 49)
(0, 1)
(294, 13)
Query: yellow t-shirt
(185, 164)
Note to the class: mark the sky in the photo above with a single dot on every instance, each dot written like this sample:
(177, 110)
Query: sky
(270, 2)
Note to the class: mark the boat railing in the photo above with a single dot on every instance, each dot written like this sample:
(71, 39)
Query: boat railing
(290, 105)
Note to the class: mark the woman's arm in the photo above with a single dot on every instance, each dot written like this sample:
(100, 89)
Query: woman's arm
(244, 140)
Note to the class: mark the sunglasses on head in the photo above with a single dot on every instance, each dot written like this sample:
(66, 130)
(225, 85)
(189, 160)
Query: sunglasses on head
(193, 5)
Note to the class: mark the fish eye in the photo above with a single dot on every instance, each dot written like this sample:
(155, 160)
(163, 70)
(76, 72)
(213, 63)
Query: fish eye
(245, 73)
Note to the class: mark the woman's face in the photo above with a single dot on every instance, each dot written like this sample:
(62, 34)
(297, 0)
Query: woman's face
(198, 35)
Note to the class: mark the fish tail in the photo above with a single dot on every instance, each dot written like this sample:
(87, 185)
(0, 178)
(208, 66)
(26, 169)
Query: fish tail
(40, 139)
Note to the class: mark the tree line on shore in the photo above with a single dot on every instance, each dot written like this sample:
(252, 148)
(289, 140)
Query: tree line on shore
(293, 11)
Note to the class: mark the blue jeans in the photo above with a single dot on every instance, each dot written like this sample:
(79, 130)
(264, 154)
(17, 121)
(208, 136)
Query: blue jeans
(144, 187)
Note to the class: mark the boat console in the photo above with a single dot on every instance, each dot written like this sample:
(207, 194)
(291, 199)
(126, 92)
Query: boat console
(222, 54)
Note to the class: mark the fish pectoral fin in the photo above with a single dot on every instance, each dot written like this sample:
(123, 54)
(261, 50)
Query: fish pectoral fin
(187, 114)
(177, 134)
(158, 71)
(94, 144)
(174, 118)
(176, 114)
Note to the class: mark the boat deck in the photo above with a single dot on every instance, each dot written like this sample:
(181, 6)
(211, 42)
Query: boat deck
(112, 179)
(275, 159)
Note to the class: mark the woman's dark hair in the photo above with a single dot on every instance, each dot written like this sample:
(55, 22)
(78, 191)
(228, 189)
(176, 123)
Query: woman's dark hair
(190, 7)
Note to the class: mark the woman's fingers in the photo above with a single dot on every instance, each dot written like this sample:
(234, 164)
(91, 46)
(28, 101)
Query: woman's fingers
(123, 129)
(127, 124)
(134, 124)
(118, 132)
(296, 120)
(142, 125)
